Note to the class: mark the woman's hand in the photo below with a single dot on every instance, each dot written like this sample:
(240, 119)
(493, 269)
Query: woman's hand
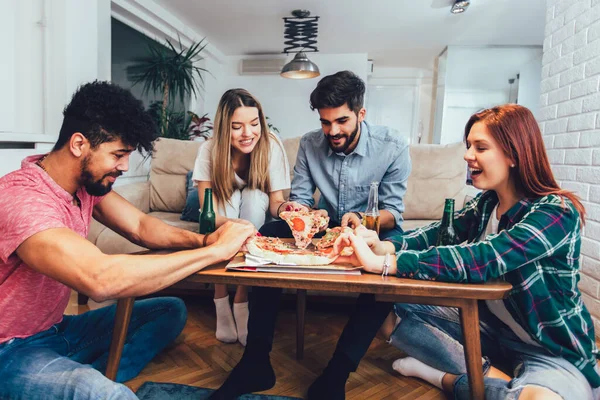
(292, 206)
(362, 256)
(377, 246)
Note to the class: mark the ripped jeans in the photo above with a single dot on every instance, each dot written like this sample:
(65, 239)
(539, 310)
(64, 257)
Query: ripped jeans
(433, 335)
(68, 360)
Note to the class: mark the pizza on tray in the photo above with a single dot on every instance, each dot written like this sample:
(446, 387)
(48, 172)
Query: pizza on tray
(304, 225)
(280, 252)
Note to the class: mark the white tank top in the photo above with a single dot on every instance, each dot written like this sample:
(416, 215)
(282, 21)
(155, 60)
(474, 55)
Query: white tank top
(497, 307)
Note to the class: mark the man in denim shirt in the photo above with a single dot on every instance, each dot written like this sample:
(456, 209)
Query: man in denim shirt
(341, 160)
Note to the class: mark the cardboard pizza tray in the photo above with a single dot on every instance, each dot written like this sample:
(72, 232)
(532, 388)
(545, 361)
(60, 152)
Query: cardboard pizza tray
(238, 263)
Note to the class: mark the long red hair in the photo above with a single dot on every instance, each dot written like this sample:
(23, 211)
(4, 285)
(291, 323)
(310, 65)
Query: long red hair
(514, 127)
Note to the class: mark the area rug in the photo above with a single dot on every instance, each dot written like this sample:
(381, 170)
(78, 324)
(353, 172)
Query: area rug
(173, 391)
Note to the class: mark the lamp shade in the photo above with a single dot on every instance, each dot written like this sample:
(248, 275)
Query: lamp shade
(300, 68)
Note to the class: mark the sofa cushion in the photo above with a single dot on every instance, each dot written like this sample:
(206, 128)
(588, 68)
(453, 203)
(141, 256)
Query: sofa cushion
(191, 211)
(171, 162)
(410, 224)
(174, 219)
(111, 242)
(438, 172)
(291, 151)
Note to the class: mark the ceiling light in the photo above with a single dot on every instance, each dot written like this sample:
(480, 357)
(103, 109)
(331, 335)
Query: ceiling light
(460, 6)
(300, 36)
(300, 68)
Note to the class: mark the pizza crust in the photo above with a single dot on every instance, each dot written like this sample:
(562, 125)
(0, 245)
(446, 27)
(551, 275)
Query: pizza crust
(256, 247)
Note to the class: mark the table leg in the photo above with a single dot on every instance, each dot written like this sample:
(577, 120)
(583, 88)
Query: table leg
(300, 311)
(469, 318)
(122, 317)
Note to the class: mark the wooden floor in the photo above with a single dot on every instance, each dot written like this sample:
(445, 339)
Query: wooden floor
(197, 358)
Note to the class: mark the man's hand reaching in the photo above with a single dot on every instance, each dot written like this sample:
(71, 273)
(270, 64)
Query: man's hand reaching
(350, 219)
(231, 237)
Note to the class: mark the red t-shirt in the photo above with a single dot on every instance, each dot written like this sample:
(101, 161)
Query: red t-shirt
(31, 202)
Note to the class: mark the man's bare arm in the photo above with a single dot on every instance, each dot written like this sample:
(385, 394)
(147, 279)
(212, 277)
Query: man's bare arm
(386, 219)
(67, 257)
(122, 217)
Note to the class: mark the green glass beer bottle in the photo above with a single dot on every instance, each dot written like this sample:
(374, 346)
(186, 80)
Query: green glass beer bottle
(208, 217)
(446, 234)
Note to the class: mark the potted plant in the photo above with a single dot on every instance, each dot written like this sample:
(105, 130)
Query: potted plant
(180, 125)
(172, 72)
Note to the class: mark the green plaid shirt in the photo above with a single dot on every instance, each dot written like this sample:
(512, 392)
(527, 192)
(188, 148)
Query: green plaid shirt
(536, 250)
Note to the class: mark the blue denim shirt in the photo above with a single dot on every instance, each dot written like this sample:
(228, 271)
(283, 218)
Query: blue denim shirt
(381, 155)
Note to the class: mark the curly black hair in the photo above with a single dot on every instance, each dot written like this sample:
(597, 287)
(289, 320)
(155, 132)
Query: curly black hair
(105, 112)
(335, 90)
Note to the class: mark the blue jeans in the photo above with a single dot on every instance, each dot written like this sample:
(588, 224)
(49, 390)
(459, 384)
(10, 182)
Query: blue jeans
(433, 335)
(67, 361)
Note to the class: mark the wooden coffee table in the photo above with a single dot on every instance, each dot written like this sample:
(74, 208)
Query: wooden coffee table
(389, 288)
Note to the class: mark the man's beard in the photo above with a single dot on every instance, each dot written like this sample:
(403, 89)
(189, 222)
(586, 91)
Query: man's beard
(349, 139)
(95, 187)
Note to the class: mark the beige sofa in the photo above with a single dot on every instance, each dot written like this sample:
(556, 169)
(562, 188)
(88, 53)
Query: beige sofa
(438, 172)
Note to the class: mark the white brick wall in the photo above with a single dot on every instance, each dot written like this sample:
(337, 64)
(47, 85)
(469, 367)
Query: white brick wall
(570, 121)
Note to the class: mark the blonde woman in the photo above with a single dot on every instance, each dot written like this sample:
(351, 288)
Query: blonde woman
(248, 170)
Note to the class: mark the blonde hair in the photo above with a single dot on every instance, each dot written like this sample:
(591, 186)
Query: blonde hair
(223, 174)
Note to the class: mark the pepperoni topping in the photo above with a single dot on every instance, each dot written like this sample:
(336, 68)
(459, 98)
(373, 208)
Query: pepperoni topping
(298, 224)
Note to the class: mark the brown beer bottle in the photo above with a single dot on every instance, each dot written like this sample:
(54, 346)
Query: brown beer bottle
(371, 217)
(446, 234)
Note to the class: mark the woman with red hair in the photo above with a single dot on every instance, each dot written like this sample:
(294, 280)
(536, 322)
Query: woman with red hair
(523, 229)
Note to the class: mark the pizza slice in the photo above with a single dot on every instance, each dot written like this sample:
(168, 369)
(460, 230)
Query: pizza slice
(331, 236)
(304, 225)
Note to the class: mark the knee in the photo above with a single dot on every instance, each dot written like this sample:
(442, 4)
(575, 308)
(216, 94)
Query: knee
(534, 392)
(116, 391)
(92, 383)
(255, 198)
(176, 313)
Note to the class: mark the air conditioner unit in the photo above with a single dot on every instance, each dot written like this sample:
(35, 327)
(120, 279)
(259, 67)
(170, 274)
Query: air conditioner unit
(370, 67)
(268, 66)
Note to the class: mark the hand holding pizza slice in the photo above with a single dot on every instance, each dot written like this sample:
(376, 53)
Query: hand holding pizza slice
(304, 225)
(330, 238)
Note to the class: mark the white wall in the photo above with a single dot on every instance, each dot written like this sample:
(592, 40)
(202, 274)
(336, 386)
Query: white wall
(570, 121)
(285, 101)
(52, 48)
(530, 78)
(460, 105)
(417, 80)
(439, 95)
(20, 69)
(471, 78)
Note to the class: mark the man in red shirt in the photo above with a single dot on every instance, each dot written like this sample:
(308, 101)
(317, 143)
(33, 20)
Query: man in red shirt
(45, 212)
